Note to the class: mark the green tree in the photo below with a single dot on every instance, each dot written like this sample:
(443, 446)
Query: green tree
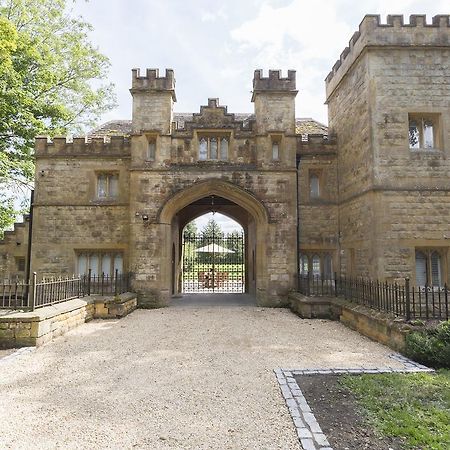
(190, 229)
(212, 229)
(48, 68)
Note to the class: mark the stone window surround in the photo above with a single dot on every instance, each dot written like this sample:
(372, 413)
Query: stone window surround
(20, 263)
(319, 174)
(275, 147)
(108, 174)
(100, 254)
(209, 135)
(322, 255)
(151, 154)
(443, 269)
(433, 116)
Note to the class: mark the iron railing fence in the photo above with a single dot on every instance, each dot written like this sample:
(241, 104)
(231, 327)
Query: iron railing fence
(13, 294)
(52, 291)
(18, 294)
(105, 284)
(402, 300)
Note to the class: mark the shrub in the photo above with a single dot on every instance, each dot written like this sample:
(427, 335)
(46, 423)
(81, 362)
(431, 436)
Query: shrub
(430, 346)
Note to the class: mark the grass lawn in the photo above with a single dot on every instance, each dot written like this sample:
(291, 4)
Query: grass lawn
(414, 407)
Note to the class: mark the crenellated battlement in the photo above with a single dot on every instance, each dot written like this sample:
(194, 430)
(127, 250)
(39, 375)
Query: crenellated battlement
(152, 81)
(274, 82)
(395, 32)
(99, 146)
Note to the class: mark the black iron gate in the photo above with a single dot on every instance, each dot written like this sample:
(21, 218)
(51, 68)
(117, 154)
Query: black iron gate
(213, 263)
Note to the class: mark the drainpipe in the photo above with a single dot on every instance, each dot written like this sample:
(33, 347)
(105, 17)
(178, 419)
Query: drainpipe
(298, 221)
(30, 233)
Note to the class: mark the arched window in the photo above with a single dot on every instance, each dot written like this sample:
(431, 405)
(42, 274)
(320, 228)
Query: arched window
(314, 191)
(316, 265)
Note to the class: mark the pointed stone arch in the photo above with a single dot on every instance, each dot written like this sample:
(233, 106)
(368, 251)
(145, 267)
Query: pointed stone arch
(213, 187)
(256, 237)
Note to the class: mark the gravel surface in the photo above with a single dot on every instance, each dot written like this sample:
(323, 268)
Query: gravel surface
(183, 377)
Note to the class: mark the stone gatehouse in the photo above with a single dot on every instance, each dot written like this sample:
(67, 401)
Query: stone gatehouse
(369, 195)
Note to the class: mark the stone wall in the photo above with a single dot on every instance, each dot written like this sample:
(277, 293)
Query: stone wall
(13, 251)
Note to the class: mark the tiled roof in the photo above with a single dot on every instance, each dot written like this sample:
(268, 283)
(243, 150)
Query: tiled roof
(303, 126)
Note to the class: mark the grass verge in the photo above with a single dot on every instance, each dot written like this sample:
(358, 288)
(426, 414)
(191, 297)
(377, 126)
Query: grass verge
(413, 407)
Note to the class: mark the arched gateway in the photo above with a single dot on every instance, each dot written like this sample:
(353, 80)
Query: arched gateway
(228, 199)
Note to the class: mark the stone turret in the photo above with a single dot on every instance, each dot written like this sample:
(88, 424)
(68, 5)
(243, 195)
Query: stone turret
(274, 98)
(153, 98)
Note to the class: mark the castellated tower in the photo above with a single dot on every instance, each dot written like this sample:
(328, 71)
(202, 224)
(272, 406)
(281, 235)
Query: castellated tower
(388, 97)
(153, 98)
(274, 99)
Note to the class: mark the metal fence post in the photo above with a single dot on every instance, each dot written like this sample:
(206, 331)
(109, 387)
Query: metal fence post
(335, 284)
(89, 282)
(115, 282)
(32, 294)
(408, 300)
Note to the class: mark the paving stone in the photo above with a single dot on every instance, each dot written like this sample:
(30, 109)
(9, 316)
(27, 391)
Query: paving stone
(299, 422)
(304, 406)
(286, 392)
(290, 402)
(295, 412)
(308, 444)
(321, 439)
(304, 433)
(287, 373)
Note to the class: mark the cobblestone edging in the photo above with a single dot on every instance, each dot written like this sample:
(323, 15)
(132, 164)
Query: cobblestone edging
(19, 352)
(310, 435)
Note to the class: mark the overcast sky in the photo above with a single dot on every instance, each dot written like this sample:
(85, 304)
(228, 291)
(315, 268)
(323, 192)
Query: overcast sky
(214, 46)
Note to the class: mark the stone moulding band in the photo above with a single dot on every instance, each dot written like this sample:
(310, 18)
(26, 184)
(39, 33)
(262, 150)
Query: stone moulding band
(309, 433)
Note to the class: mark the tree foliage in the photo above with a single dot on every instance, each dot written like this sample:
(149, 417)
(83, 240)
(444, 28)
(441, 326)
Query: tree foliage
(48, 68)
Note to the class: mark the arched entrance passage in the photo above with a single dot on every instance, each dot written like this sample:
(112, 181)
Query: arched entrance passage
(214, 253)
(232, 201)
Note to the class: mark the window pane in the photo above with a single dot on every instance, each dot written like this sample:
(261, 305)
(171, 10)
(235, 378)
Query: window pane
(202, 149)
(275, 151)
(213, 149)
(106, 264)
(316, 265)
(118, 263)
(435, 269)
(428, 136)
(114, 186)
(421, 269)
(304, 265)
(413, 134)
(327, 266)
(223, 149)
(93, 264)
(101, 186)
(82, 264)
(314, 186)
(151, 150)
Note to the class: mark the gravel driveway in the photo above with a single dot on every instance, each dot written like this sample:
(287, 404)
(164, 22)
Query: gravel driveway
(188, 376)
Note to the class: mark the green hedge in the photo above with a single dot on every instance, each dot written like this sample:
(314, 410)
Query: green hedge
(430, 346)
